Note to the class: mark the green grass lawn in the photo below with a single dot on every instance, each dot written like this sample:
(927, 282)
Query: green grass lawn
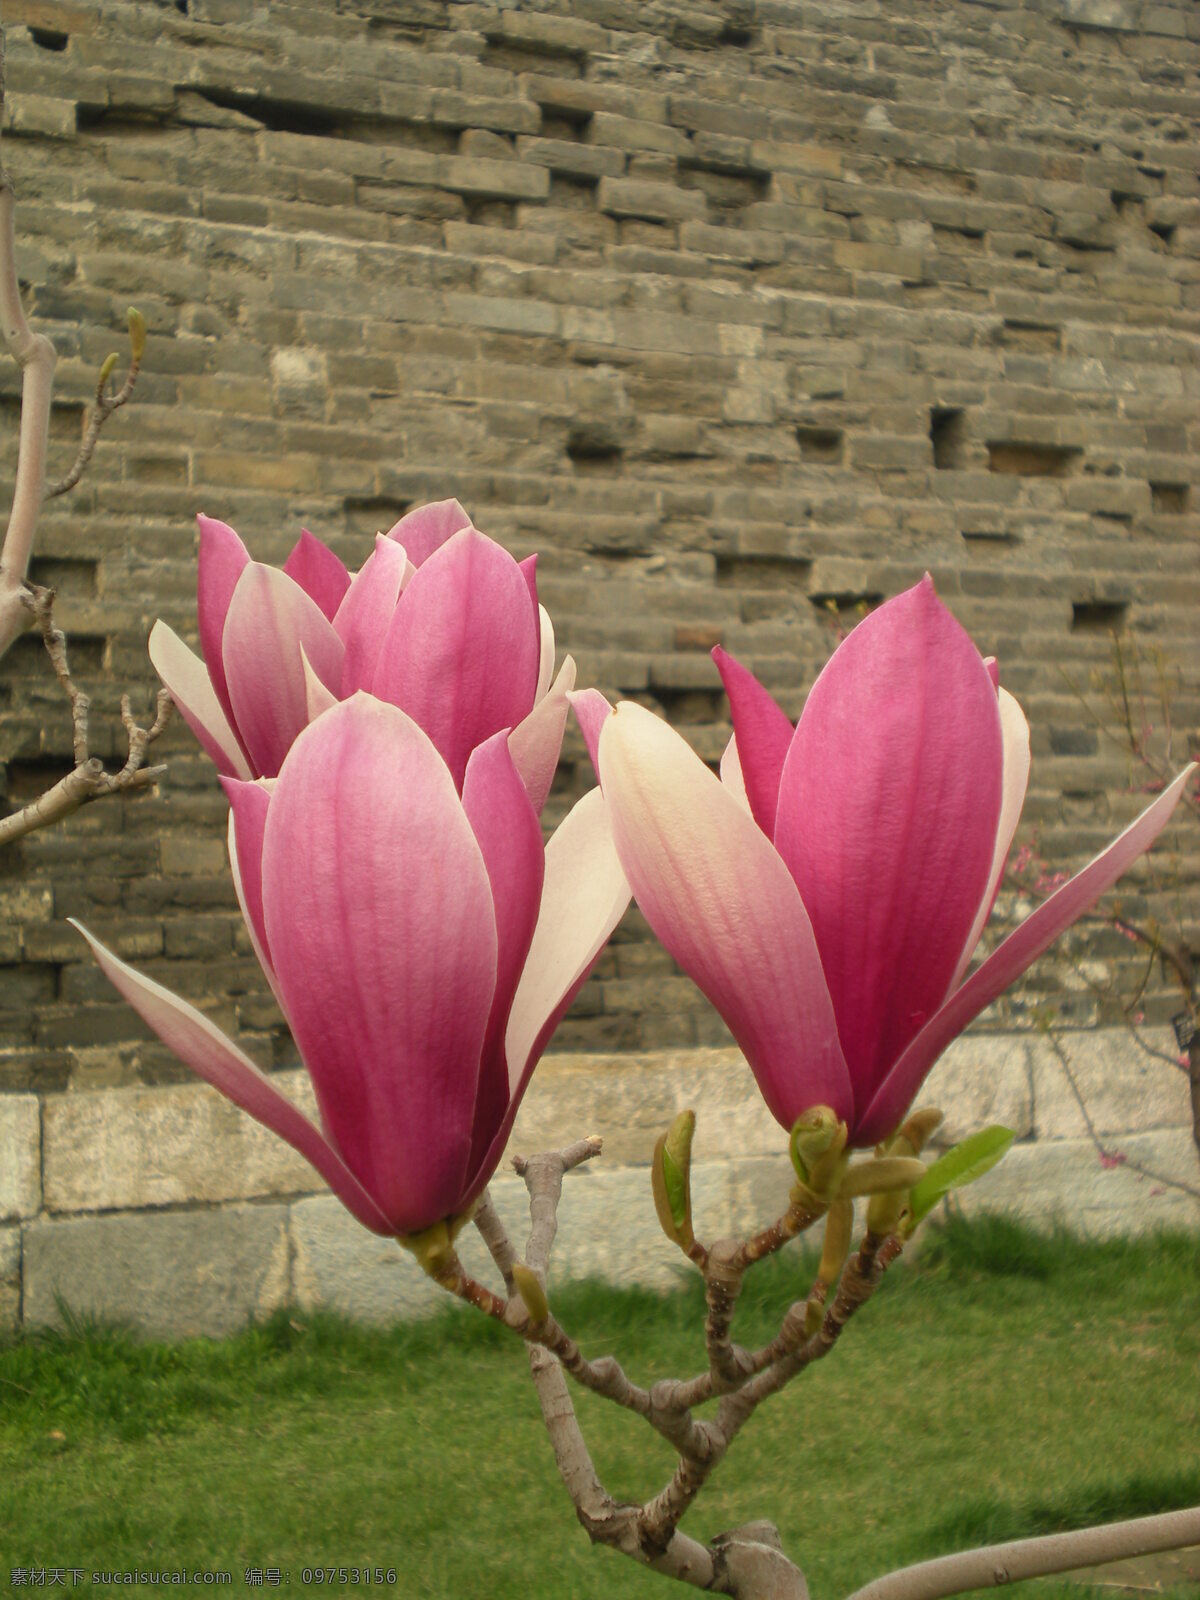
(1006, 1385)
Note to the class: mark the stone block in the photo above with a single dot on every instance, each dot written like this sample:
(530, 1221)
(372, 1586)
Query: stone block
(1065, 1180)
(1125, 1089)
(338, 1265)
(129, 1148)
(10, 1280)
(656, 202)
(589, 162)
(494, 180)
(630, 1099)
(982, 1078)
(39, 114)
(173, 1274)
(20, 1156)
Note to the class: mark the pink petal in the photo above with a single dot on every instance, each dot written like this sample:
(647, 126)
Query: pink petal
(888, 811)
(322, 576)
(1015, 731)
(248, 804)
(536, 742)
(584, 896)
(460, 655)
(366, 612)
(731, 773)
(218, 1061)
(186, 676)
(427, 528)
(271, 622)
(379, 920)
(722, 902)
(1009, 961)
(592, 711)
(510, 837)
(222, 559)
(546, 657)
(317, 697)
(764, 735)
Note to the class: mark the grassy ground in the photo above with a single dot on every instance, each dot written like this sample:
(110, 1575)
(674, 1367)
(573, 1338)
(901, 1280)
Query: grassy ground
(1007, 1385)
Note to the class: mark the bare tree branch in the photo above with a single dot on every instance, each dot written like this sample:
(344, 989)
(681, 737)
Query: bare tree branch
(87, 780)
(1035, 1558)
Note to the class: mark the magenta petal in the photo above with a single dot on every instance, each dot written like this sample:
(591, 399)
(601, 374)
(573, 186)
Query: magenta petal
(248, 803)
(888, 811)
(722, 902)
(272, 624)
(1009, 961)
(506, 827)
(366, 612)
(205, 1049)
(186, 676)
(764, 735)
(535, 744)
(379, 919)
(222, 559)
(460, 656)
(322, 576)
(427, 528)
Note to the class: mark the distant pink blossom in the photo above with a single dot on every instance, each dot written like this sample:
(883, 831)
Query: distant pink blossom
(829, 891)
(421, 944)
(440, 620)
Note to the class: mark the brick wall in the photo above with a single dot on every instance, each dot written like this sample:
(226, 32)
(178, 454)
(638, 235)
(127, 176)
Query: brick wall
(741, 314)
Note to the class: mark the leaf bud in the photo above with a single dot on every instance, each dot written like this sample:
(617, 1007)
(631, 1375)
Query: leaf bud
(671, 1180)
(137, 333)
(529, 1287)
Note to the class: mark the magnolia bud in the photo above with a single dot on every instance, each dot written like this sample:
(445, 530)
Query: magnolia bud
(881, 1175)
(816, 1147)
(670, 1178)
(530, 1289)
(137, 333)
(106, 371)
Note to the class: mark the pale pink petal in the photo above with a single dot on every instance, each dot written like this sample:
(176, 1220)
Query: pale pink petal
(222, 559)
(764, 735)
(993, 670)
(1006, 964)
(731, 773)
(321, 574)
(186, 676)
(427, 528)
(546, 659)
(204, 1048)
(364, 615)
(584, 896)
(592, 711)
(536, 742)
(248, 804)
(722, 902)
(379, 920)
(460, 654)
(888, 811)
(510, 837)
(271, 621)
(1016, 780)
(317, 697)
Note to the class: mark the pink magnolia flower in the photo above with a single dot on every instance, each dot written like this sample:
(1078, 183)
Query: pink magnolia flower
(440, 620)
(422, 946)
(828, 891)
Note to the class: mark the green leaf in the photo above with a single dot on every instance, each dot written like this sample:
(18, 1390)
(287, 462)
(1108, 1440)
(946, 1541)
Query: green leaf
(961, 1165)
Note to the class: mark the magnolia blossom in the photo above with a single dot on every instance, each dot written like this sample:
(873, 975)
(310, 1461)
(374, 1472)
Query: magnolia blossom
(440, 620)
(422, 945)
(828, 891)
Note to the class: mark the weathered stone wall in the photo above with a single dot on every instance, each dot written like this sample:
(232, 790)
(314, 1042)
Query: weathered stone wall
(168, 1208)
(741, 314)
